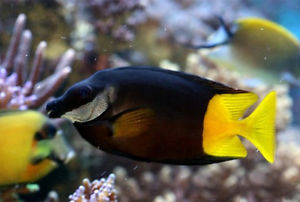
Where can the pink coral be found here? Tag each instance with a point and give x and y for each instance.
(20, 90)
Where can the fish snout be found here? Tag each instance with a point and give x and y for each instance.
(54, 109)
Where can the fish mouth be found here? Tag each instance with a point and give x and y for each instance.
(62, 152)
(61, 160)
(53, 114)
(53, 109)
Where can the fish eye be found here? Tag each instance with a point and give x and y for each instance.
(85, 92)
(50, 130)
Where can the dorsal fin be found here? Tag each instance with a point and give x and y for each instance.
(218, 88)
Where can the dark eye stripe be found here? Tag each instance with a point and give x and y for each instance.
(47, 132)
(50, 130)
(39, 136)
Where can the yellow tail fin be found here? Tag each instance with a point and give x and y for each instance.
(222, 124)
(260, 129)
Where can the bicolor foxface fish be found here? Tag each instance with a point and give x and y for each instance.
(152, 114)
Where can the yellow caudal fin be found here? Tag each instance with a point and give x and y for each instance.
(221, 125)
(260, 129)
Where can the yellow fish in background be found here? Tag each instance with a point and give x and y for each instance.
(28, 144)
(256, 47)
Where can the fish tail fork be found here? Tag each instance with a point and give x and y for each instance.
(260, 127)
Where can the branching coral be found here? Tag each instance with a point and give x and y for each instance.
(19, 89)
(110, 19)
(109, 14)
(102, 190)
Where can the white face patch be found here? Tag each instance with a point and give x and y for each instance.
(90, 110)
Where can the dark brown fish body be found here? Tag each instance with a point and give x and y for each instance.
(151, 115)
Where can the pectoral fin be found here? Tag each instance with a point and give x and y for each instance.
(133, 122)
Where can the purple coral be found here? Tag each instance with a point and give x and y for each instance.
(114, 18)
(102, 190)
(19, 90)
